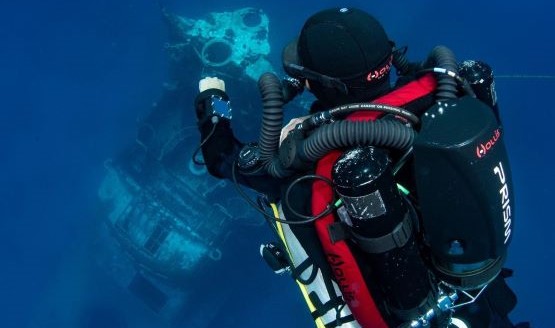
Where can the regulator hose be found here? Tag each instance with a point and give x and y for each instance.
(443, 57)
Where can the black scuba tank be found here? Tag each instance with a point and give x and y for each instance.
(465, 191)
(480, 77)
(381, 223)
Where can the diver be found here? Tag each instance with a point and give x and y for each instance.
(391, 203)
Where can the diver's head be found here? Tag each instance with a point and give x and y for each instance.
(343, 53)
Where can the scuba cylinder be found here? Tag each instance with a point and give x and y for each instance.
(381, 223)
(480, 77)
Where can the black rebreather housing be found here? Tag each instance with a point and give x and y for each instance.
(465, 191)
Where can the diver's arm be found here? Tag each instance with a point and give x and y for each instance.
(220, 148)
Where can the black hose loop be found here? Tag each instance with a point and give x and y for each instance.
(400, 61)
(443, 57)
(272, 116)
(341, 134)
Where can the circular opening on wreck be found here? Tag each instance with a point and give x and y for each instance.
(252, 18)
(215, 254)
(216, 53)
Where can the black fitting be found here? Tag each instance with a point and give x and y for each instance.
(291, 88)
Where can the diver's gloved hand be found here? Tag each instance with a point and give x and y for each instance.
(211, 83)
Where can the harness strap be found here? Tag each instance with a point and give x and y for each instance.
(395, 239)
(323, 308)
(336, 304)
(302, 267)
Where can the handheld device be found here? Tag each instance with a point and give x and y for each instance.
(220, 107)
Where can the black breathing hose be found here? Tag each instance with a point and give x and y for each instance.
(272, 121)
(382, 133)
(272, 116)
(443, 57)
(400, 61)
(340, 134)
(392, 134)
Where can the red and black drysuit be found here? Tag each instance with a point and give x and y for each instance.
(221, 150)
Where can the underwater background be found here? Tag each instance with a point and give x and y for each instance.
(78, 78)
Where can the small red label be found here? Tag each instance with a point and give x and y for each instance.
(483, 148)
(380, 72)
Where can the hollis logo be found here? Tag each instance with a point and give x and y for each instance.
(482, 149)
(380, 72)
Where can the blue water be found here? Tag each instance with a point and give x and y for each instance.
(76, 75)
